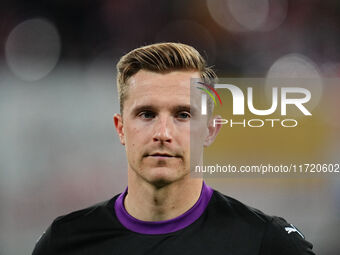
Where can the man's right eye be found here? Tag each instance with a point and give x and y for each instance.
(147, 115)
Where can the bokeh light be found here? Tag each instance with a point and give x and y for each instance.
(295, 70)
(248, 15)
(32, 49)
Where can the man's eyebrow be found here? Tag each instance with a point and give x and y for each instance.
(179, 108)
(188, 108)
(141, 108)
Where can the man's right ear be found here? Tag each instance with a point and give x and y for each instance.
(118, 122)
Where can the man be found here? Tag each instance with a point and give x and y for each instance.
(164, 210)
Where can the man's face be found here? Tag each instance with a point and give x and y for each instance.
(155, 128)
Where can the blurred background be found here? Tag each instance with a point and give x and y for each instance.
(58, 148)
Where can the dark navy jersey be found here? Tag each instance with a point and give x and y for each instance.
(216, 225)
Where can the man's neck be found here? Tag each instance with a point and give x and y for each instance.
(147, 202)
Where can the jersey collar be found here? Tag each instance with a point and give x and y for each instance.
(166, 226)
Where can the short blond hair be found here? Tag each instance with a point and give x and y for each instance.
(161, 58)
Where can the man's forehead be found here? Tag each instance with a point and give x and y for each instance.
(154, 101)
(170, 102)
(173, 89)
(158, 102)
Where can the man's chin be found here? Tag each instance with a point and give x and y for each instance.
(162, 177)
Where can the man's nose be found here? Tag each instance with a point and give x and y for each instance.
(163, 129)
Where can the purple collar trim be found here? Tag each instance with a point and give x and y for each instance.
(166, 226)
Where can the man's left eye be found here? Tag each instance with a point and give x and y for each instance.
(183, 115)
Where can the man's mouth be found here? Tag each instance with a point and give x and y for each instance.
(162, 155)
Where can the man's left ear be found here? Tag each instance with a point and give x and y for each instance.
(213, 129)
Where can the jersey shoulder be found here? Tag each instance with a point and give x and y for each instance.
(231, 207)
(66, 227)
(277, 236)
(282, 237)
(84, 218)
